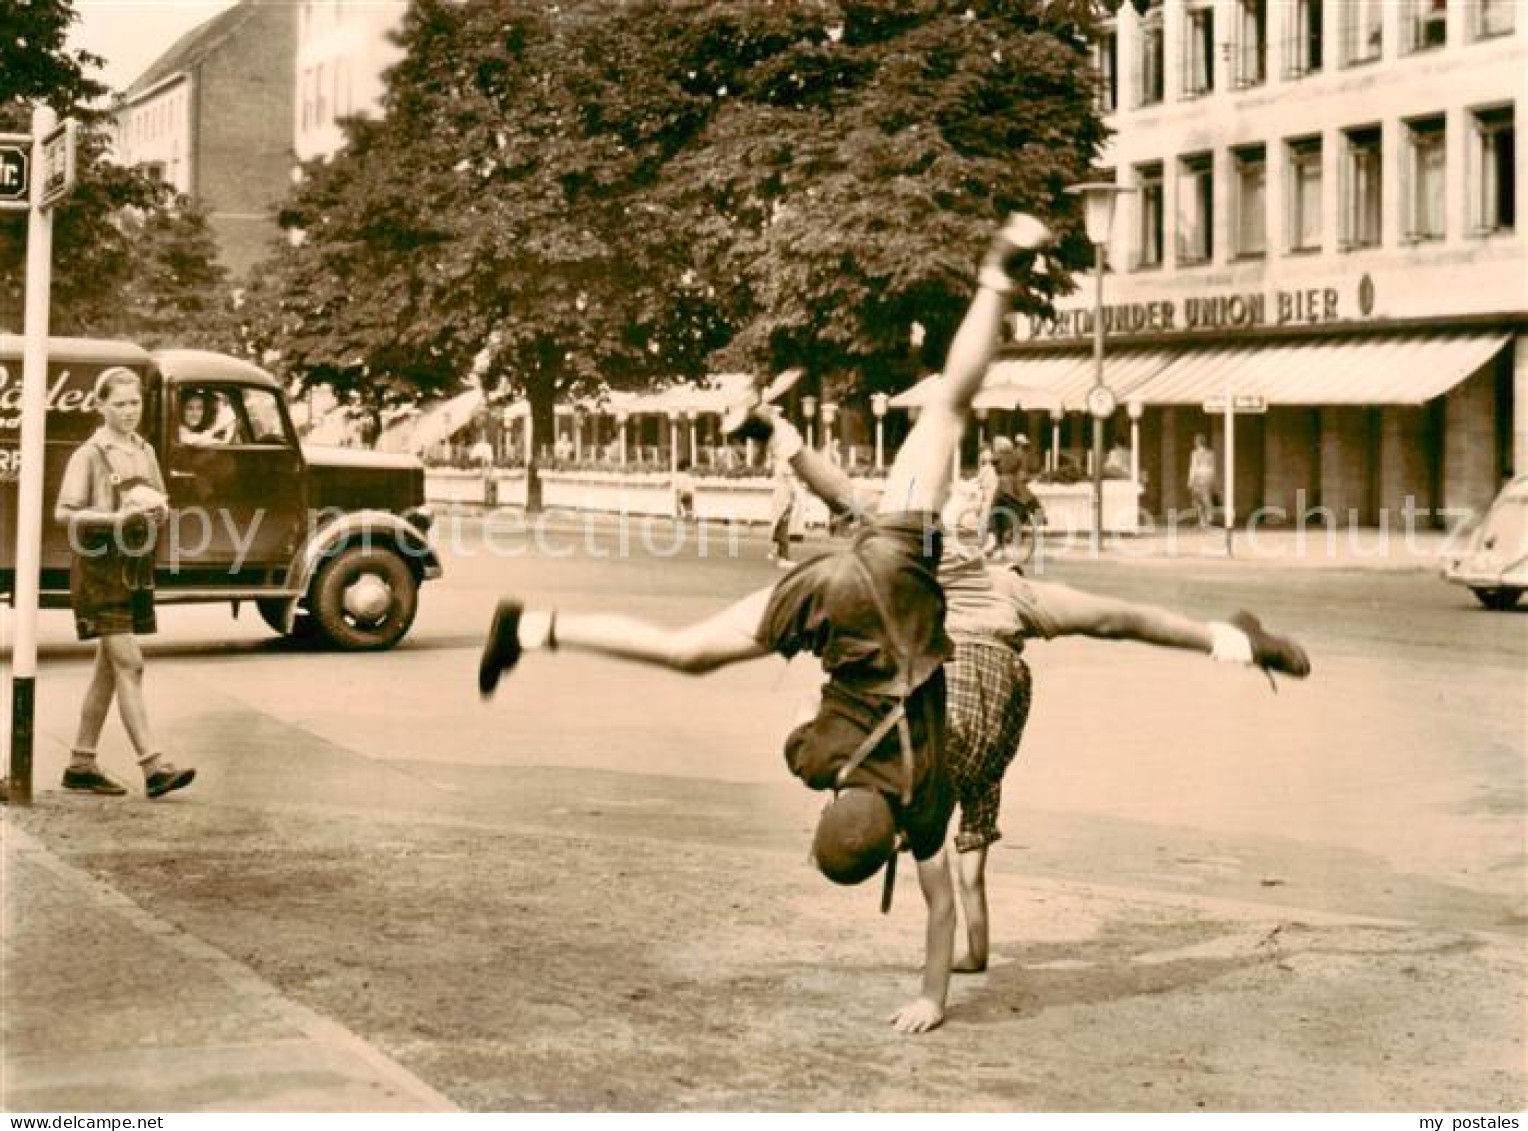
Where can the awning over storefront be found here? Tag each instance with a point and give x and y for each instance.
(1005, 394)
(1359, 369)
(431, 424)
(719, 391)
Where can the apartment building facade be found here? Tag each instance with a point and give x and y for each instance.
(212, 116)
(1324, 220)
(344, 47)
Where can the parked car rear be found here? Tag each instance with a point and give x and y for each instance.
(1492, 560)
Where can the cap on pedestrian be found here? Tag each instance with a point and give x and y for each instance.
(855, 836)
(1002, 444)
(1022, 441)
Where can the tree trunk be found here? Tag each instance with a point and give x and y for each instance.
(542, 396)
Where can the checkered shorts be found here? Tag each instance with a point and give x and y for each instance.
(989, 691)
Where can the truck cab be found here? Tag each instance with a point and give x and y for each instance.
(329, 544)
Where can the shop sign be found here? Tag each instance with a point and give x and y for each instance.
(1301, 306)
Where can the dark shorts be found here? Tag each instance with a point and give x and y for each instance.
(829, 607)
(817, 749)
(989, 696)
(111, 595)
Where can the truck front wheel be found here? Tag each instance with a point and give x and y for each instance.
(364, 599)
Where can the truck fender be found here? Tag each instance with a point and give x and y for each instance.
(378, 528)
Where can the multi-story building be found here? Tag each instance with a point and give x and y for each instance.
(212, 116)
(343, 49)
(1324, 220)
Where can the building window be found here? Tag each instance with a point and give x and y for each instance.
(1494, 17)
(1107, 58)
(1362, 188)
(1149, 64)
(1251, 42)
(1148, 182)
(341, 87)
(1303, 49)
(1305, 194)
(1362, 31)
(1424, 24)
(1199, 53)
(320, 99)
(1424, 172)
(1251, 201)
(1494, 178)
(1196, 208)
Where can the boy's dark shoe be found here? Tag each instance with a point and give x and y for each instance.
(746, 418)
(92, 781)
(502, 649)
(166, 779)
(1272, 653)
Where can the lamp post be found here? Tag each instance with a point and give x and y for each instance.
(878, 403)
(1134, 408)
(1098, 199)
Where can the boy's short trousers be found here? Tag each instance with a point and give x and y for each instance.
(111, 595)
(989, 691)
(817, 749)
(827, 607)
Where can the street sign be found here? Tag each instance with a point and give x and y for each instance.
(1241, 402)
(13, 175)
(58, 163)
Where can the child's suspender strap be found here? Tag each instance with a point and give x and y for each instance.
(897, 716)
(112, 478)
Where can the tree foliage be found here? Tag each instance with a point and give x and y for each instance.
(581, 193)
(129, 257)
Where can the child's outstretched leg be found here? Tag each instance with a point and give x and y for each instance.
(725, 638)
(919, 479)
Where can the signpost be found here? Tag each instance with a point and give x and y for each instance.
(1229, 404)
(13, 171)
(51, 165)
(1241, 403)
(57, 167)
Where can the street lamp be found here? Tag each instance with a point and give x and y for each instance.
(1098, 199)
(878, 403)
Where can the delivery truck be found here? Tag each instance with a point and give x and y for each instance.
(328, 544)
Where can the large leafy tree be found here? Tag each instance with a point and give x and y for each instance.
(492, 224)
(567, 194)
(129, 257)
(856, 156)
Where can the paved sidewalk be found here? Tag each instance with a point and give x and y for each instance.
(1314, 548)
(1359, 548)
(108, 1009)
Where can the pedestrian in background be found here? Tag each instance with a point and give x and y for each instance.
(113, 501)
(684, 492)
(782, 512)
(1003, 513)
(1201, 480)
